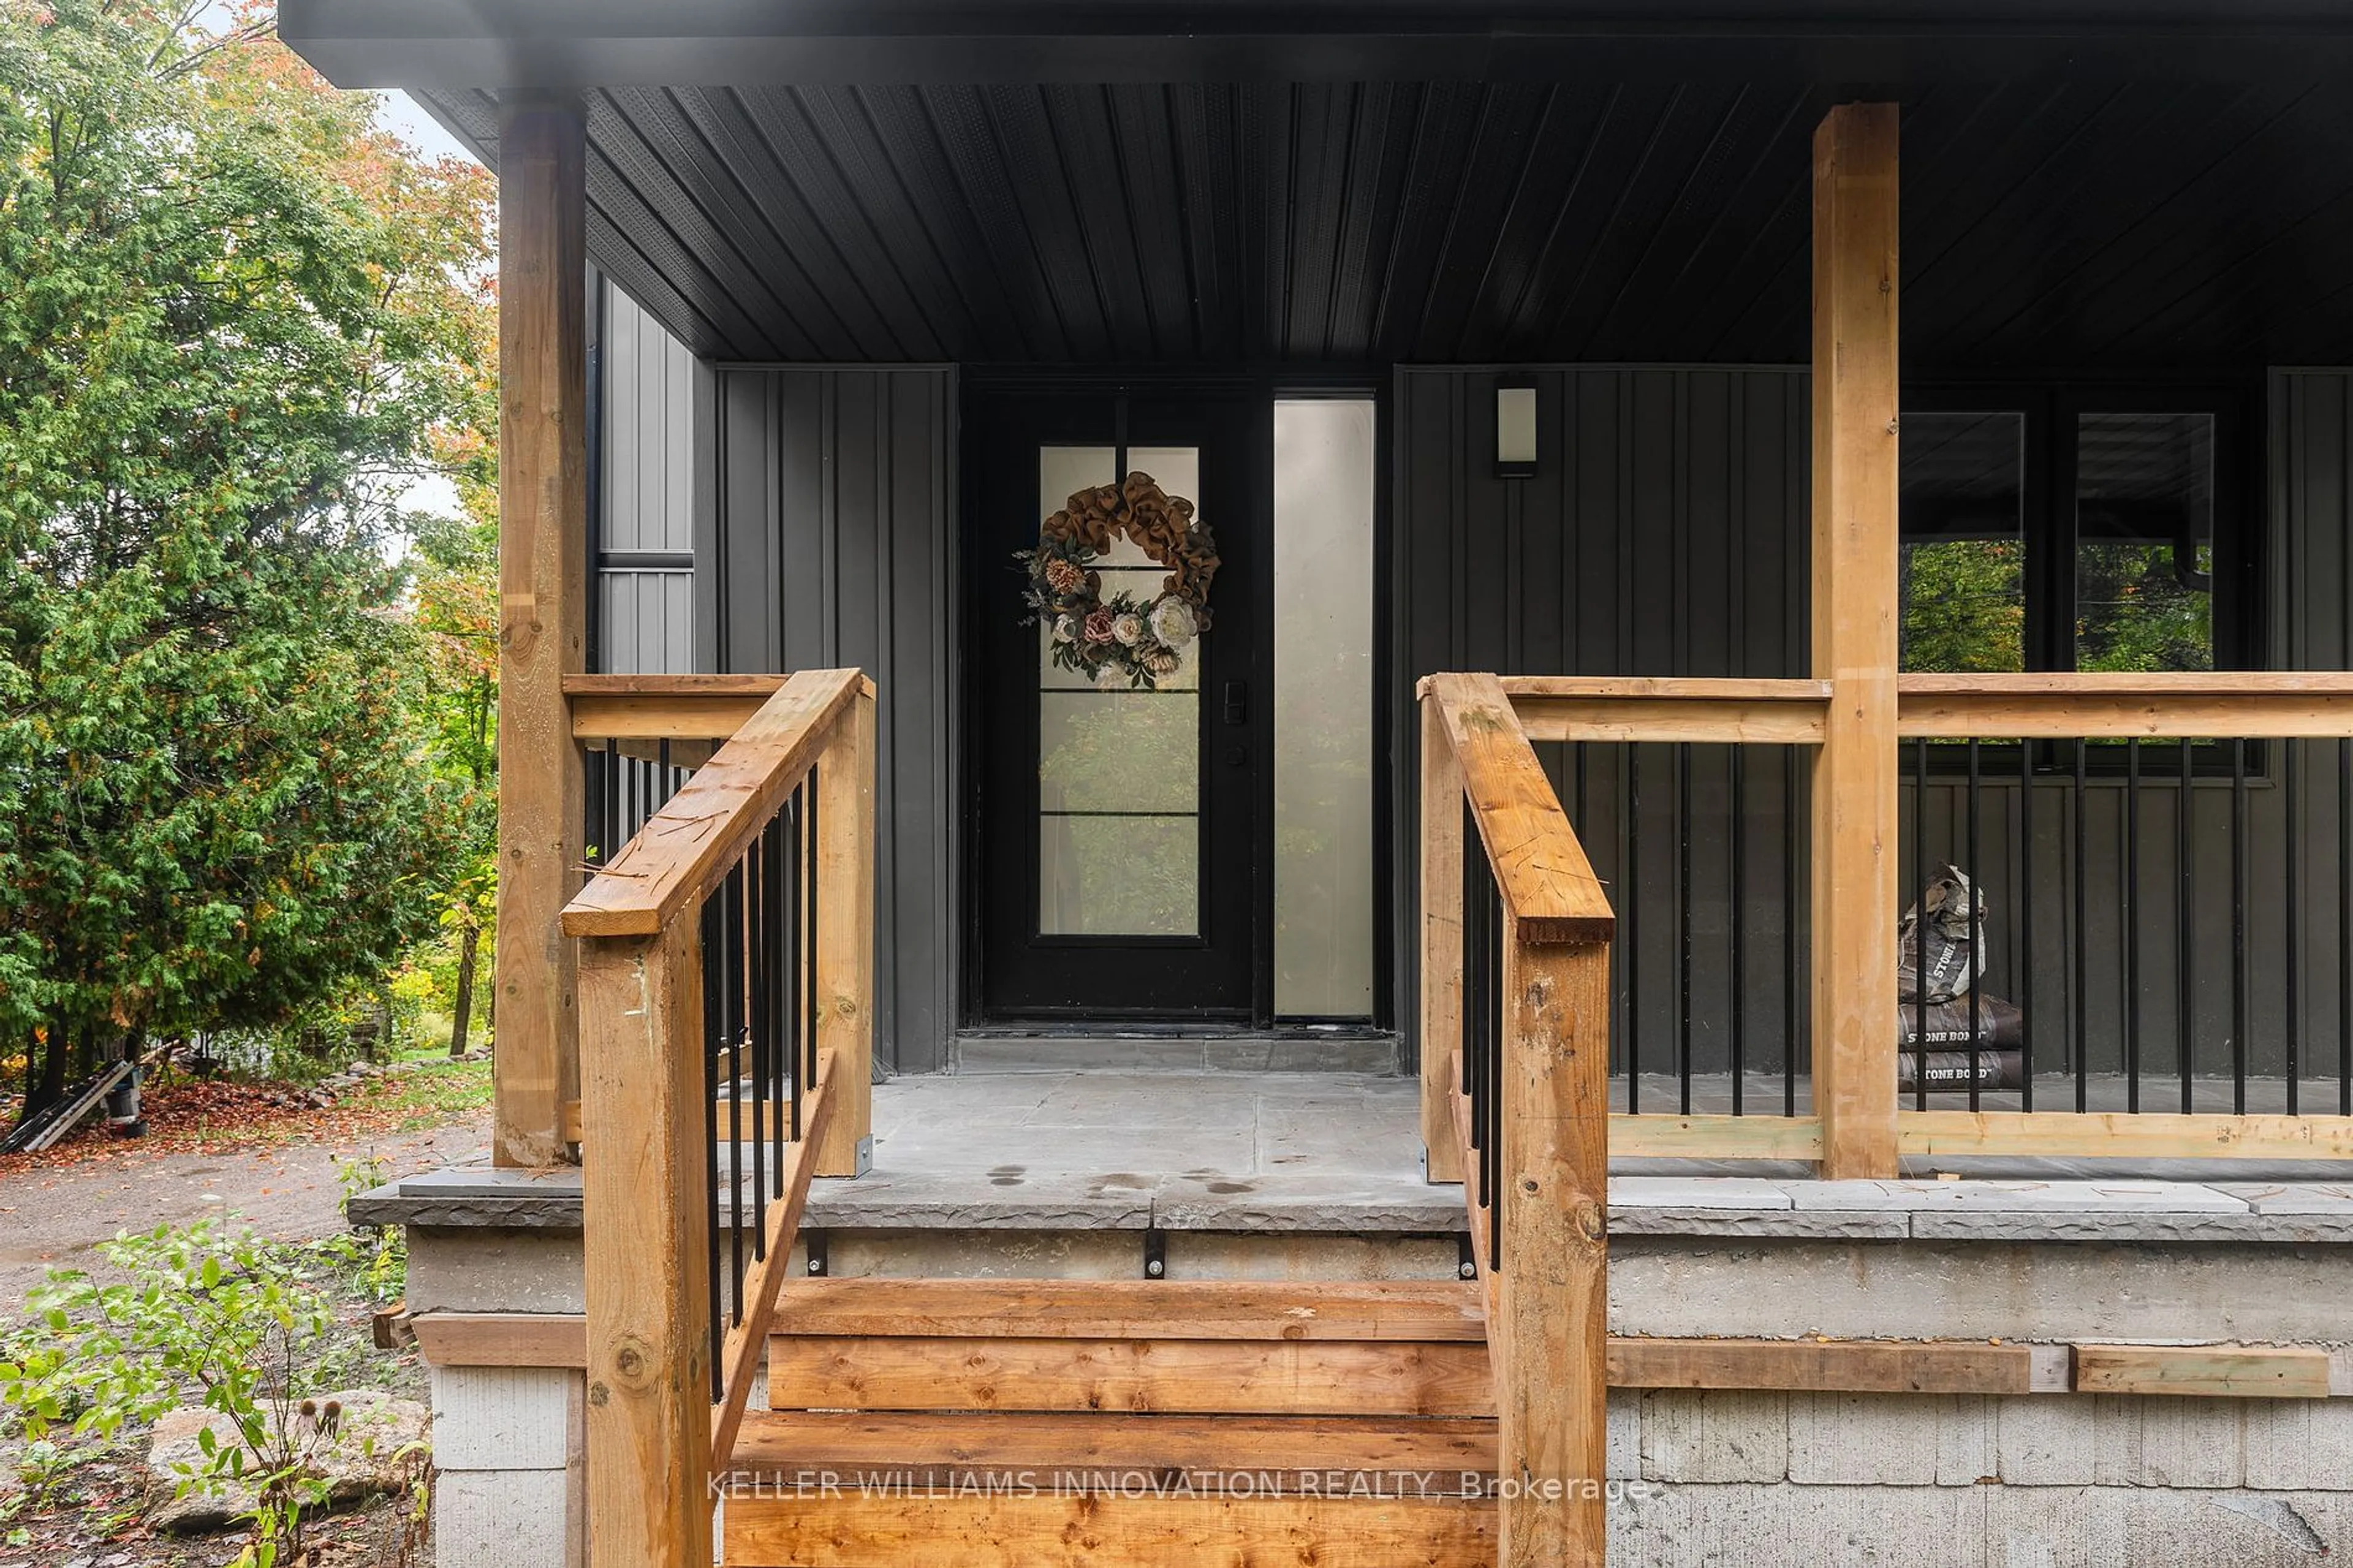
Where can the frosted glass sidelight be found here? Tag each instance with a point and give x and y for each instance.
(1323, 490)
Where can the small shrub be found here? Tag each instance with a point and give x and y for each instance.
(380, 1252)
(222, 1313)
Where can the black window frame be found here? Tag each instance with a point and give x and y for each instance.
(2047, 508)
(2050, 410)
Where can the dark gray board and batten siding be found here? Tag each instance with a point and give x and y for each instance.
(647, 466)
(1663, 533)
(831, 542)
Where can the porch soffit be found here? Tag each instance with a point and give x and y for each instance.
(2172, 199)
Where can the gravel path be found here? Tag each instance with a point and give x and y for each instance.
(288, 1191)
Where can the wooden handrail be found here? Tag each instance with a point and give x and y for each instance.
(1548, 886)
(1756, 713)
(685, 850)
(801, 763)
(2188, 705)
(2036, 705)
(2040, 705)
(1545, 1096)
(675, 708)
(2153, 683)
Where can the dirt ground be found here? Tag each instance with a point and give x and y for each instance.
(289, 1190)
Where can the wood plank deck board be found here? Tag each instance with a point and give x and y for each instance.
(1049, 1531)
(1179, 1376)
(935, 1444)
(1443, 1309)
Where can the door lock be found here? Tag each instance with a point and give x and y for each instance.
(1237, 702)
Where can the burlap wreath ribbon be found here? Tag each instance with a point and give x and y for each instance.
(1161, 525)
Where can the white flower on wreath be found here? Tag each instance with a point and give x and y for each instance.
(1065, 629)
(1172, 621)
(1110, 678)
(1128, 629)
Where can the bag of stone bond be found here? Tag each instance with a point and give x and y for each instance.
(1941, 941)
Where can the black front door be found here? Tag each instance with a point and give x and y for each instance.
(1118, 828)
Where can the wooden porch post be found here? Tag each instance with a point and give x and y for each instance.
(543, 620)
(845, 935)
(1854, 636)
(644, 1190)
(1442, 945)
(1550, 1335)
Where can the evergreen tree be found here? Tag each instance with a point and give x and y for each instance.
(234, 320)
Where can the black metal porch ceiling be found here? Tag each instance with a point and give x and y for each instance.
(2130, 225)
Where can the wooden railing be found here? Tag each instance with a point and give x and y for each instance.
(2207, 721)
(1853, 1073)
(725, 961)
(1515, 998)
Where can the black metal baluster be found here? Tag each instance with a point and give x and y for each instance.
(2185, 929)
(1473, 976)
(2239, 927)
(2131, 922)
(1630, 923)
(796, 1027)
(1973, 970)
(2345, 927)
(756, 953)
(1788, 931)
(2082, 1045)
(1739, 923)
(731, 1006)
(2024, 968)
(608, 816)
(2291, 763)
(711, 984)
(811, 1002)
(779, 983)
(1475, 981)
(1493, 1149)
(1919, 946)
(1684, 926)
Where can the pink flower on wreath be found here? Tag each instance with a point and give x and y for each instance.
(1064, 577)
(1098, 625)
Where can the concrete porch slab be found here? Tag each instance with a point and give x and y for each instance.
(1338, 1154)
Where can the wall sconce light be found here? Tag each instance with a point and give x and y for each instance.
(1516, 426)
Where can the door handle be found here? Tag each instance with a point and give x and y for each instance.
(1237, 702)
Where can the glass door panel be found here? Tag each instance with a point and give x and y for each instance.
(1119, 843)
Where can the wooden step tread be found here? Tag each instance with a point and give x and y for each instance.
(1208, 1377)
(1443, 1310)
(1049, 1530)
(935, 1450)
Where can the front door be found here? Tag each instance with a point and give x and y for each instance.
(1118, 826)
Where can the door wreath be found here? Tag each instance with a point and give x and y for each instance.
(1123, 642)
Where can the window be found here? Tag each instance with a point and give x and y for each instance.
(1119, 830)
(1324, 903)
(1963, 556)
(2072, 527)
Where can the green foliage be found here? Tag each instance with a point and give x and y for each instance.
(380, 1253)
(2134, 613)
(236, 322)
(1964, 605)
(240, 1320)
